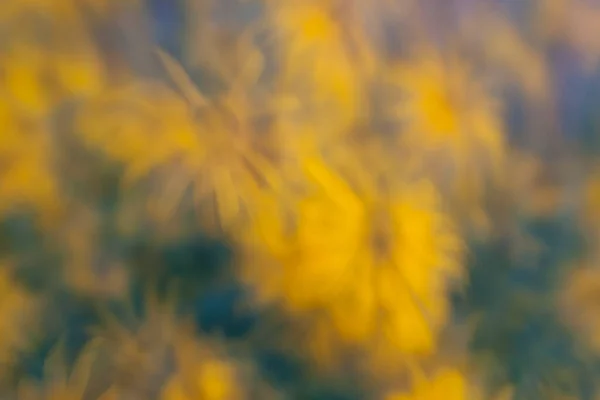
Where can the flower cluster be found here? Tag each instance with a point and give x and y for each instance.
(227, 199)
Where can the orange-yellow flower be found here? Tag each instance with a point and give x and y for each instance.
(450, 128)
(26, 165)
(201, 374)
(206, 153)
(446, 384)
(369, 267)
(317, 68)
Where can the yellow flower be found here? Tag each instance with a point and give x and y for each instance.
(579, 304)
(446, 107)
(23, 80)
(326, 227)
(79, 73)
(138, 348)
(26, 175)
(144, 126)
(317, 69)
(368, 267)
(208, 152)
(162, 352)
(446, 384)
(39, 75)
(18, 313)
(450, 128)
(310, 23)
(202, 372)
(58, 383)
(211, 379)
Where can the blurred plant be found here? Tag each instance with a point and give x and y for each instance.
(448, 384)
(580, 295)
(208, 147)
(343, 152)
(202, 375)
(449, 124)
(20, 318)
(27, 176)
(318, 70)
(60, 382)
(48, 56)
(371, 268)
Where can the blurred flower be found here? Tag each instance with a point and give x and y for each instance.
(160, 354)
(365, 268)
(63, 383)
(317, 68)
(579, 304)
(206, 147)
(26, 165)
(137, 349)
(43, 69)
(446, 384)
(340, 152)
(450, 126)
(18, 319)
(204, 375)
